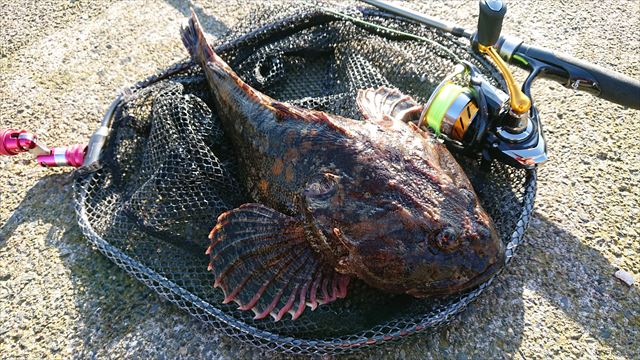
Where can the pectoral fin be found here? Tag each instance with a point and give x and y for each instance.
(384, 105)
(263, 262)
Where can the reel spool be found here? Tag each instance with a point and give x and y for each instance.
(464, 107)
(451, 109)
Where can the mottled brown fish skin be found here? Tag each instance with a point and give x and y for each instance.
(383, 202)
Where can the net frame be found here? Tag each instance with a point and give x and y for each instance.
(241, 45)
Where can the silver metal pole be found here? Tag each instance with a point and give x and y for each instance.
(100, 136)
(420, 17)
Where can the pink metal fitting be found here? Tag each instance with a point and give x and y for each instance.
(13, 142)
(64, 156)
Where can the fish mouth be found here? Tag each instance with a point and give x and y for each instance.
(484, 276)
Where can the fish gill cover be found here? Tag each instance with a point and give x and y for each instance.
(167, 170)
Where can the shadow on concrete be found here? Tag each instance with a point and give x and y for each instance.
(109, 301)
(569, 275)
(39, 197)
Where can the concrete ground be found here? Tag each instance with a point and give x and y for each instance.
(62, 62)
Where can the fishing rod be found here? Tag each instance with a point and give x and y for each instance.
(466, 110)
(567, 70)
(421, 18)
(474, 116)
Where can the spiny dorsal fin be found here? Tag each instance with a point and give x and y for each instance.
(385, 105)
(284, 110)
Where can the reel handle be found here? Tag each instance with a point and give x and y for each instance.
(490, 21)
(489, 27)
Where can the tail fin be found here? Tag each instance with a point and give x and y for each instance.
(194, 40)
(216, 69)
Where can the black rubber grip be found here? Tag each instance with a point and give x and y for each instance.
(613, 86)
(490, 21)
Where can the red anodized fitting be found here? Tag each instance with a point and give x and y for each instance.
(64, 156)
(13, 142)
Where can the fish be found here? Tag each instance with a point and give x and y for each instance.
(379, 200)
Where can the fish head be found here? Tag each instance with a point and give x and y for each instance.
(404, 232)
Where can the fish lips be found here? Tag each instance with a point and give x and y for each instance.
(447, 289)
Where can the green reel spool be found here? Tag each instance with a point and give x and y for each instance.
(451, 108)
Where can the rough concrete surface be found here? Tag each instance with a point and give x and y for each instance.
(61, 63)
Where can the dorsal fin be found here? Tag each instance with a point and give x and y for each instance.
(284, 110)
(384, 105)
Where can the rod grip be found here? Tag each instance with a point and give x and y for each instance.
(609, 85)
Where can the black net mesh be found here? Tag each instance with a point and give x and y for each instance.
(167, 170)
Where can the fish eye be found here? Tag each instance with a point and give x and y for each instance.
(321, 186)
(448, 239)
(484, 233)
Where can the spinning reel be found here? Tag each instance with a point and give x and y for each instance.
(473, 116)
